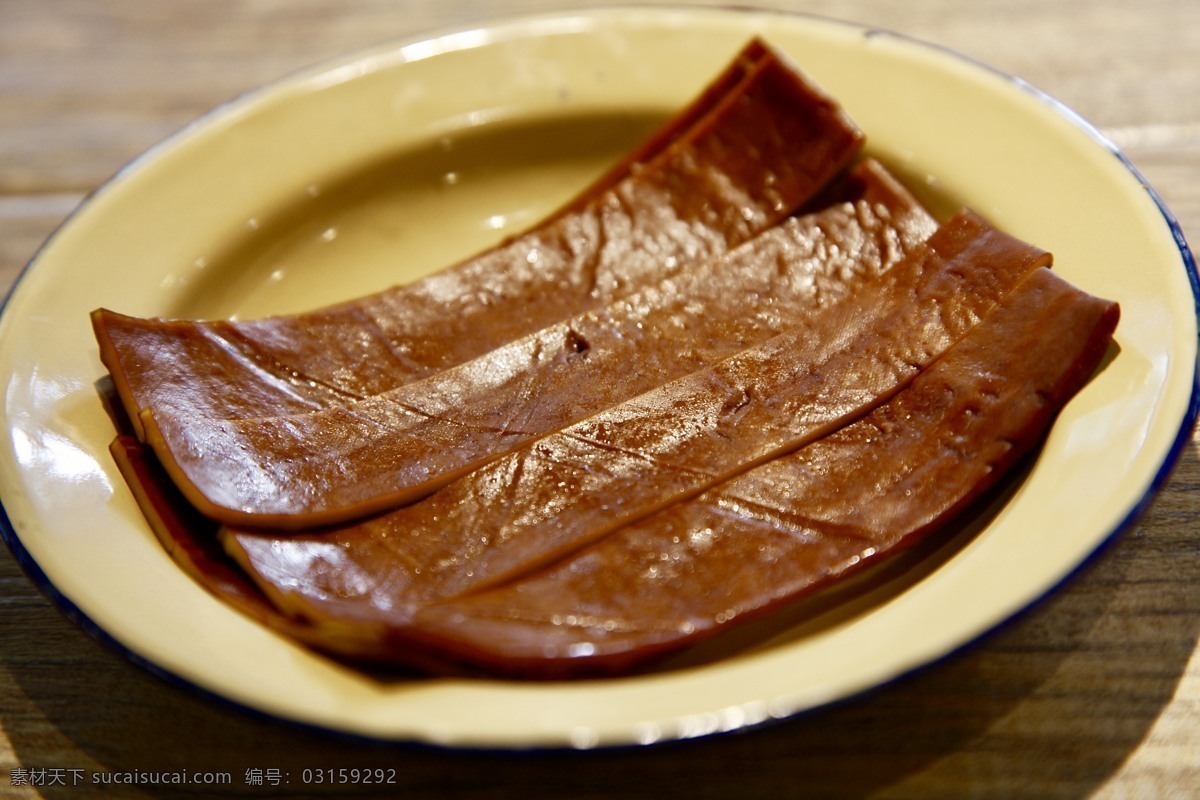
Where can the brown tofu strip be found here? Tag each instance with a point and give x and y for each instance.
(746, 547)
(307, 470)
(186, 535)
(799, 523)
(559, 494)
(189, 538)
(753, 55)
(759, 152)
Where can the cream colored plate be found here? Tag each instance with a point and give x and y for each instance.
(341, 180)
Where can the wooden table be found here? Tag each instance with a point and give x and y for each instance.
(1094, 692)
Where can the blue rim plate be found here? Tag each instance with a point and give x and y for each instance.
(243, 213)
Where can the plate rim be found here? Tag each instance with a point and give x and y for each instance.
(73, 612)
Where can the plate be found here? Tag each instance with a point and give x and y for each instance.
(343, 179)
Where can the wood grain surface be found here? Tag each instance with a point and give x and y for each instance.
(1095, 692)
